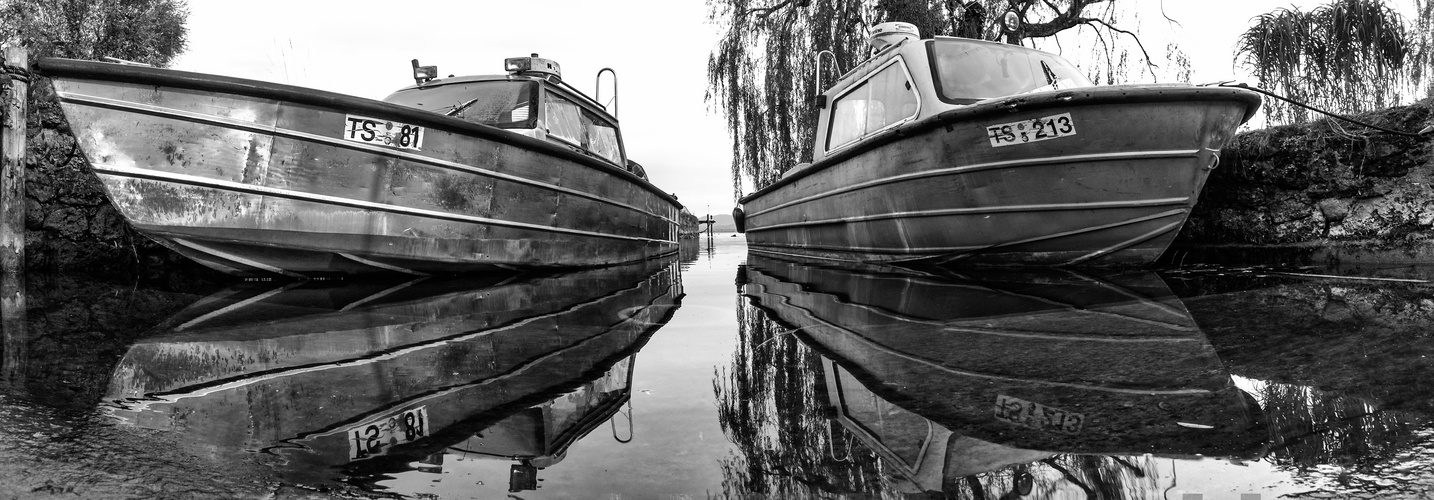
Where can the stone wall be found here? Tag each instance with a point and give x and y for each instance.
(1341, 190)
(70, 226)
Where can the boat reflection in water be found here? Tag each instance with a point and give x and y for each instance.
(355, 381)
(1010, 383)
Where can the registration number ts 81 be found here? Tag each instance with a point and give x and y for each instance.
(377, 436)
(1028, 131)
(385, 132)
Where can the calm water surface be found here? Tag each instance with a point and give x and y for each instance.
(729, 375)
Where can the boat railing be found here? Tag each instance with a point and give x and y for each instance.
(835, 65)
(597, 89)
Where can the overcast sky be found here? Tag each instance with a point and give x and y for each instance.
(659, 49)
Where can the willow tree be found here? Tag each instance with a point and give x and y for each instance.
(1347, 56)
(147, 31)
(762, 73)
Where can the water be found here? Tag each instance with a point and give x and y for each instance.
(724, 374)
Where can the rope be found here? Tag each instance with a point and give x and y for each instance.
(1417, 135)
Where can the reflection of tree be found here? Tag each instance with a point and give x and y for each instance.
(1095, 476)
(1345, 445)
(771, 406)
(1310, 428)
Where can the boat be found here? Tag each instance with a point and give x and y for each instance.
(953, 375)
(378, 375)
(450, 175)
(962, 151)
(538, 437)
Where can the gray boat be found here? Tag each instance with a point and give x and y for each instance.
(516, 170)
(952, 150)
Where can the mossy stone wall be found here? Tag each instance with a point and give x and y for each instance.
(1350, 192)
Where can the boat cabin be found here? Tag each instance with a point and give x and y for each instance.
(532, 100)
(908, 79)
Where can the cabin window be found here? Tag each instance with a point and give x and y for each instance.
(883, 100)
(581, 127)
(603, 140)
(968, 71)
(564, 119)
(505, 104)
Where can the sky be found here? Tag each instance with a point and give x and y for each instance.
(658, 48)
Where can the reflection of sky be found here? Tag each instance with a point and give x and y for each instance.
(677, 441)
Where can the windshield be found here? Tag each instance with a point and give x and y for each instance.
(506, 104)
(968, 71)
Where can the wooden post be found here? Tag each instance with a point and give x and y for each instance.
(14, 89)
(13, 330)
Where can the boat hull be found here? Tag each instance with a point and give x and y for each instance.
(1116, 192)
(253, 178)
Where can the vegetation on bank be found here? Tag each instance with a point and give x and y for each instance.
(1347, 56)
(146, 31)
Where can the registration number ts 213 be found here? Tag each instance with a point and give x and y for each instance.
(376, 436)
(1028, 131)
(383, 132)
(1037, 416)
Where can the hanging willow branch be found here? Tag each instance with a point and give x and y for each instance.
(1347, 56)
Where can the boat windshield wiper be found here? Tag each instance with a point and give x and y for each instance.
(464, 105)
(1050, 76)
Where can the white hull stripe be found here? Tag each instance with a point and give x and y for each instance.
(380, 265)
(924, 252)
(233, 258)
(1132, 155)
(295, 134)
(344, 202)
(1127, 244)
(1053, 207)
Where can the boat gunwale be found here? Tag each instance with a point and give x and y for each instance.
(1087, 96)
(51, 67)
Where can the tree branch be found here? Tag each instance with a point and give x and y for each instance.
(765, 11)
(1148, 61)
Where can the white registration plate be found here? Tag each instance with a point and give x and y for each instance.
(1028, 131)
(1037, 416)
(376, 436)
(384, 132)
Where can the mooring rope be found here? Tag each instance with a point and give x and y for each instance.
(1416, 135)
